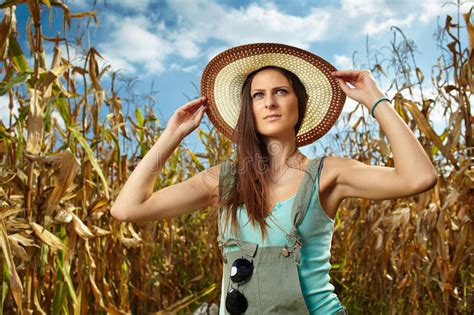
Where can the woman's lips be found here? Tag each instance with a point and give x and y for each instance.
(273, 117)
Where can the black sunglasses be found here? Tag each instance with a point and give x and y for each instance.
(241, 271)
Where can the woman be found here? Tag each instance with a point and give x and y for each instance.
(270, 99)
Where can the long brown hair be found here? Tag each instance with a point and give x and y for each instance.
(253, 157)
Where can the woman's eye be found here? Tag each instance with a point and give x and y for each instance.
(279, 90)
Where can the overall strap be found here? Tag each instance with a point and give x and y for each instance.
(226, 183)
(301, 203)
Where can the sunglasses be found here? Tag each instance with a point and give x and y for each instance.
(241, 271)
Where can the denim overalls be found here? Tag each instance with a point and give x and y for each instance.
(274, 287)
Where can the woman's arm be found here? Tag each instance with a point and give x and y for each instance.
(413, 172)
(137, 202)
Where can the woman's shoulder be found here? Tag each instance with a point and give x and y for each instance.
(330, 169)
(335, 164)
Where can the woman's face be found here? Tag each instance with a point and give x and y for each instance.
(271, 93)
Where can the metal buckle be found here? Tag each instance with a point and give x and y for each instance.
(285, 251)
(300, 244)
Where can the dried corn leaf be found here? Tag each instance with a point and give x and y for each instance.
(50, 77)
(99, 231)
(80, 227)
(19, 250)
(63, 217)
(91, 158)
(134, 233)
(10, 211)
(15, 282)
(23, 240)
(92, 269)
(426, 128)
(47, 237)
(400, 218)
(66, 166)
(470, 29)
(35, 122)
(98, 204)
(86, 14)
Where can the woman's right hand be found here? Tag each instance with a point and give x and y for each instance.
(188, 117)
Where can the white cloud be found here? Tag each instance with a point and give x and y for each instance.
(139, 41)
(135, 41)
(214, 51)
(254, 23)
(343, 62)
(5, 110)
(377, 25)
(175, 66)
(425, 10)
(134, 5)
(433, 8)
(116, 63)
(358, 8)
(130, 5)
(80, 4)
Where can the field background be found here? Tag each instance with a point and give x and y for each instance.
(69, 145)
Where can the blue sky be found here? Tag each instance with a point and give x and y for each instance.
(170, 42)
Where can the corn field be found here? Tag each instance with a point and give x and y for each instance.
(63, 162)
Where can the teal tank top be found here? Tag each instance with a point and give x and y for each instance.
(316, 230)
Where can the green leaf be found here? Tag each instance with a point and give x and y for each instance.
(139, 115)
(112, 136)
(5, 281)
(16, 55)
(202, 133)
(59, 296)
(43, 258)
(20, 78)
(47, 116)
(22, 115)
(65, 271)
(195, 159)
(63, 109)
(336, 266)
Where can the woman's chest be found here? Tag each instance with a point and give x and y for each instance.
(286, 188)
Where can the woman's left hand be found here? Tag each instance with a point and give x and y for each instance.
(365, 89)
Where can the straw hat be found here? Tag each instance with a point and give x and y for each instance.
(224, 76)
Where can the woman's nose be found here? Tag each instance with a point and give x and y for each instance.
(269, 102)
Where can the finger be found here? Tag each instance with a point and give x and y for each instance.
(345, 88)
(194, 103)
(199, 114)
(347, 79)
(194, 109)
(346, 74)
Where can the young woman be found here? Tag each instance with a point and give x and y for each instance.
(270, 99)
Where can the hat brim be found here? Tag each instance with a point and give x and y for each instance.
(225, 74)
